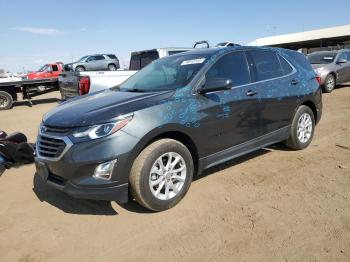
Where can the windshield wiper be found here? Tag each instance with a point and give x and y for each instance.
(136, 90)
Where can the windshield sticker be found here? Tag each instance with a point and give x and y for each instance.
(193, 61)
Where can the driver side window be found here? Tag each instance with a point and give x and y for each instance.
(342, 56)
(232, 66)
(90, 59)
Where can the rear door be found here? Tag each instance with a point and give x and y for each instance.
(277, 89)
(55, 71)
(100, 62)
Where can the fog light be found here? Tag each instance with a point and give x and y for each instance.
(104, 170)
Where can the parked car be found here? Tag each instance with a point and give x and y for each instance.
(227, 44)
(46, 71)
(80, 83)
(333, 67)
(175, 118)
(94, 63)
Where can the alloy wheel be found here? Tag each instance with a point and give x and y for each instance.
(304, 128)
(167, 176)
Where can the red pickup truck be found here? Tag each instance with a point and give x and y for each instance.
(46, 71)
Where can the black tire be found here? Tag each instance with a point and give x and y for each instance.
(6, 100)
(140, 174)
(112, 67)
(80, 69)
(294, 142)
(329, 83)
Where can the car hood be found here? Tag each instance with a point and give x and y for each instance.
(101, 107)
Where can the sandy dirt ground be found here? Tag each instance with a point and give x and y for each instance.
(272, 205)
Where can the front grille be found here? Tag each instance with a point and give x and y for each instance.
(57, 130)
(50, 147)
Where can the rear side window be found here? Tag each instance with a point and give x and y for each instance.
(140, 60)
(232, 66)
(348, 56)
(112, 56)
(287, 69)
(301, 60)
(266, 65)
(54, 68)
(99, 57)
(342, 56)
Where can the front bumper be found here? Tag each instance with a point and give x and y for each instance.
(73, 171)
(118, 193)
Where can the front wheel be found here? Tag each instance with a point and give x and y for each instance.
(161, 175)
(302, 129)
(79, 69)
(329, 84)
(6, 100)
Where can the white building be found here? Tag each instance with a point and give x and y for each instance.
(327, 38)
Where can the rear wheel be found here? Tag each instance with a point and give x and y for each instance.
(302, 129)
(112, 67)
(6, 100)
(79, 69)
(329, 84)
(161, 174)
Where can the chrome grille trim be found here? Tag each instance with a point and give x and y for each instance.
(52, 148)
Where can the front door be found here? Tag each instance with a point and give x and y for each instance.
(342, 68)
(229, 117)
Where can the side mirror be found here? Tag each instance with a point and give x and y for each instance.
(216, 84)
(341, 61)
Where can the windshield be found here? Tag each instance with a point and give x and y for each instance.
(322, 58)
(165, 74)
(83, 59)
(43, 68)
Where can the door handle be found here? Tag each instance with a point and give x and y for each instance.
(294, 82)
(251, 93)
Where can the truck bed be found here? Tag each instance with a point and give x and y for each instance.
(99, 80)
(29, 82)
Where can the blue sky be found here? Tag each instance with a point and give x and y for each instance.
(36, 32)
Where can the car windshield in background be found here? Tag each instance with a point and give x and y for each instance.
(43, 68)
(83, 59)
(321, 58)
(165, 74)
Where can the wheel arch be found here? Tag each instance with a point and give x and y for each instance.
(177, 135)
(79, 66)
(312, 106)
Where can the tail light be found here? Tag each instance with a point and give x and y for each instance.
(318, 79)
(84, 85)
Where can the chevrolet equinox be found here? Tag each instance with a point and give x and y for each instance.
(175, 118)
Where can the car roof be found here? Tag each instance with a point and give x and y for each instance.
(214, 50)
(98, 54)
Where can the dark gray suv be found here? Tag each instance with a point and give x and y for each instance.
(333, 67)
(175, 118)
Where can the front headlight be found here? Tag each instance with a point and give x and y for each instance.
(98, 131)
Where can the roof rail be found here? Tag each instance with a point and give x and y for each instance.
(201, 43)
